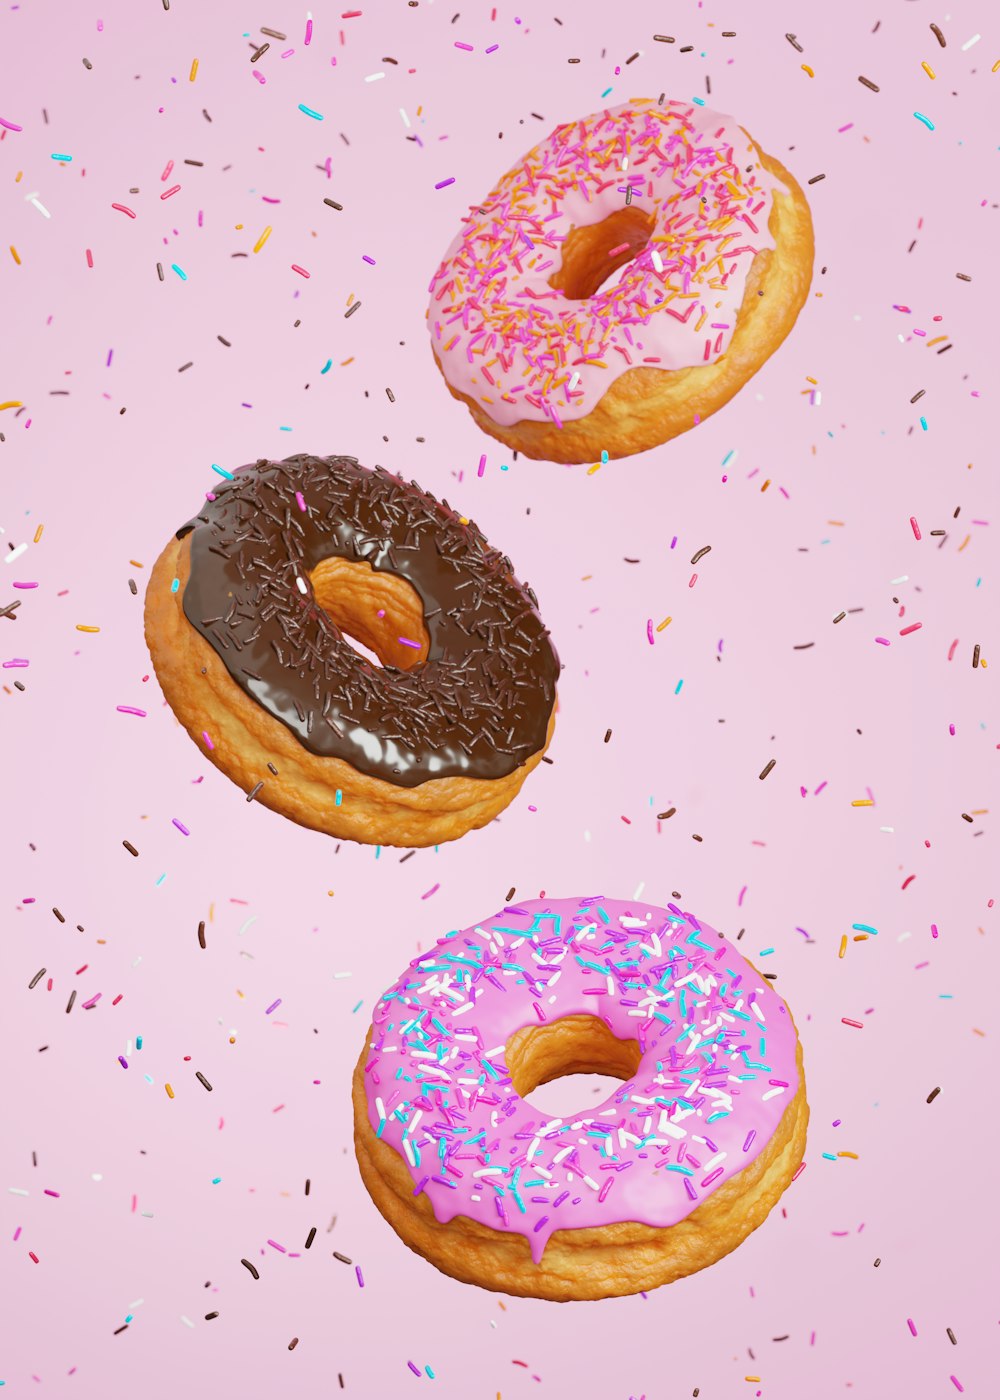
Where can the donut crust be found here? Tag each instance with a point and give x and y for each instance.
(578, 1265)
(205, 699)
(648, 406)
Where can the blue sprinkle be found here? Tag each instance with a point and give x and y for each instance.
(175, 585)
(926, 120)
(700, 101)
(865, 928)
(830, 1156)
(678, 690)
(339, 798)
(222, 472)
(316, 116)
(55, 157)
(180, 272)
(326, 367)
(605, 92)
(216, 1180)
(923, 424)
(357, 1008)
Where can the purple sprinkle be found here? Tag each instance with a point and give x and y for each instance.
(181, 827)
(405, 642)
(130, 710)
(433, 889)
(493, 48)
(543, 1221)
(361, 1277)
(909, 1323)
(420, 1185)
(367, 259)
(442, 183)
(687, 1187)
(274, 1005)
(749, 1139)
(414, 1369)
(123, 1062)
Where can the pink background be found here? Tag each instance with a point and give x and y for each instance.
(138, 1228)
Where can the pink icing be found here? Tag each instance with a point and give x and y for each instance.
(525, 351)
(717, 1070)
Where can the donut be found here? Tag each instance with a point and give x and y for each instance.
(249, 612)
(663, 1178)
(714, 240)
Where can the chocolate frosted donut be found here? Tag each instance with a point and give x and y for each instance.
(246, 615)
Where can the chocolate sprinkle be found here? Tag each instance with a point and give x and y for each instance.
(662, 816)
(939, 36)
(36, 979)
(342, 1257)
(202, 1080)
(130, 848)
(868, 83)
(201, 934)
(310, 1237)
(477, 706)
(933, 1094)
(767, 768)
(247, 1265)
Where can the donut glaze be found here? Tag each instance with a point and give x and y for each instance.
(505, 333)
(478, 702)
(717, 1066)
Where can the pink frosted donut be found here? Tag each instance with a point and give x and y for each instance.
(672, 1171)
(715, 240)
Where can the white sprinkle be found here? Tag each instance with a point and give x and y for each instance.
(639, 889)
(406, 120)
(374, 77)
(887, 828)
(187, 1321)
(301, 584)
(15, 553)
(770, 1094)
(657, 261)
(969, 42)
(338, 975)
(16, 1191)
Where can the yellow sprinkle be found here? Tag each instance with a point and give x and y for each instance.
(980, 811)
(854, 1155)
(38, 534)
(595, 468)
(928, 70)
(194, 70)
(995, 66)
(232, 1040)
(807, 69)
(14, 255)
(665, 623)
(238, 225)
(170, 1092)
(17, 177)
(964, 543)
(80, 627)
(843, 945)
(835, 522)
(862, 802)
(211, 912)
(240, 994)
(262, 239)
(330, 893)
(11, 403)
(936, 341)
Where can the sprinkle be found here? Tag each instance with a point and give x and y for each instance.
(130, 710)
(194, 70)
(130, 848)
(939, 36)
(858, 1025)
(179, 270)
(928, 69)
(933, 1094)
(442, 184)
(926, 120)
(767, 768)
(868, 84)
(316, 116)
(300, 270)
(170, 1092)
(915, 527)
(202, 1080)
(862, 802)
(262, 239)
(201, 934)
(250, 1268)
(124, 209)
(273, 1007)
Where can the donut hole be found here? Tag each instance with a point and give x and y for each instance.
(575, 1047)
(379, 614)
(593, 254)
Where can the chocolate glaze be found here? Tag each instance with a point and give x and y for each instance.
(477, 707)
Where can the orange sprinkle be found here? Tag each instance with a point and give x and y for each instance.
(170, 1092)
(810, 380)
(936, 341)
(807, 69)
(860, 937)
(853, 1155)
(262, 239)
(15, 255)
(194, 70)
(135, 564)
(38, 534)
(81, 627)
(766, 484)
(665, 623)
(964, 543)
(17, 177)
(843, 945)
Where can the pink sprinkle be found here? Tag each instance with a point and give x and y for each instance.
(913, 627)
(17, 1234)
(619, 248)
(181, 827)
(954, 1380)
(693, 580)
(309, 32)
(124, 209)
(24, 585)
(934, 930)
(279, 1247)
(405, 642)
(909, 1323)
(538, 1011)
(442, 183)
(432, 890)
(300, 500)
(274, 1005)
(858, 1025)
(951, 649)
(172, 190)
(11, 126)
(300, 270)
(15, 661)
(915, 527)
(208, 742)
(47, 1192)
(467, 47)
(649, 631)
(883, 641)
(130, 710)
(482, 465)
(34, 1256)
(167, 169)
(90, 258)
